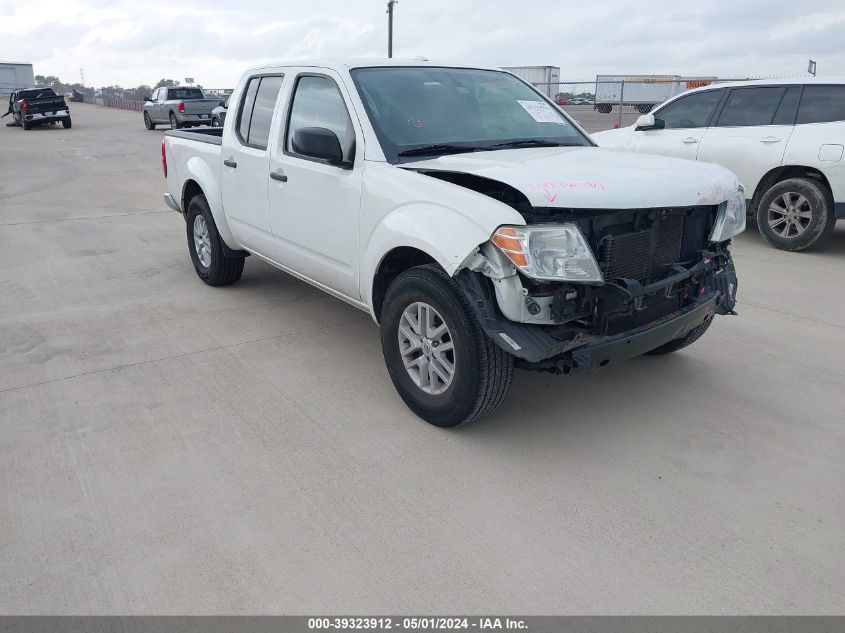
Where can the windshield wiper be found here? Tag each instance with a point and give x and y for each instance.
(532, 142)
(440, 148)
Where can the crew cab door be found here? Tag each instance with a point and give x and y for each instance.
(314, 205)
(686, 120)
(751, 132)
(245, 163)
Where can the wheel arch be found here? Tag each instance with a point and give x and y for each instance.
(393, 264)
(785, 172)
(199, 179)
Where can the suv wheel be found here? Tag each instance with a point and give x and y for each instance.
(148, 122)
(206, 247)
(440, 361)
(795, 214)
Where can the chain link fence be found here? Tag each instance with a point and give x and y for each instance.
(133, 98)
(602, 105)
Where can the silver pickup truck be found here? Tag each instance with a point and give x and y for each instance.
(180, 107)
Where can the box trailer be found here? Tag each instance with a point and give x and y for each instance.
(545, 78)
(14, 75)
(643, 92)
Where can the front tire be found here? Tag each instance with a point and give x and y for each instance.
(148, 122)
(685, 341)
(441, 362)
(206, 247)
(795, 214)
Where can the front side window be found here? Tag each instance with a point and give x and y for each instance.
(822, 104)
(692, 111)
(317, 102)
(750, 106)
(414, 109)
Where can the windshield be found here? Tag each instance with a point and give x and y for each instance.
(422, 111)
(184, 93)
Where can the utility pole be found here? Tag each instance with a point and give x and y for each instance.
(390, 4)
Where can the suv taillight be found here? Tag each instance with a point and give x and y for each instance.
(181, 107)
(163, 159)
(24, 106)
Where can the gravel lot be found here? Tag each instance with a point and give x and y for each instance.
(167, 447)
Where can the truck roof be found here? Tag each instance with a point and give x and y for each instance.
(349, 63)
(785, 81)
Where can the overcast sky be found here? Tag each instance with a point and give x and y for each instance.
(132, 42)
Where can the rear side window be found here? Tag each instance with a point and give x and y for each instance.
(788, 107)
(184, 93)
(692, 111)
(822, 104)
(262, 112)
(750, 106)
(256, 112)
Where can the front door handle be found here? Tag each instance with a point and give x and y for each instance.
(278, 175)
(230, 163)
(690, 140)
(770, 139)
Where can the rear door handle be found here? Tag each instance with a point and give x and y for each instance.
(278, 175)
(770, 139)
(690, 140)
(230, 163)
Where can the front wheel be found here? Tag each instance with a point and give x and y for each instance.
(206, 247)
(148, 122)
(685, 341)
(441, 362)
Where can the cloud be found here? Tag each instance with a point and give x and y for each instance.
(130, 43)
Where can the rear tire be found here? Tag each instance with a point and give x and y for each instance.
(148, 122)
(684, 341)
(174, 122)
(66, 123)
(211, 263)
(481, 372)
(795, 214)
(215, 122)
(26, 124)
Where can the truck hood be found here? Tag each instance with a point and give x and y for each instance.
(593, 177)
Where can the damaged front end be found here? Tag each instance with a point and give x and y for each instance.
(662, 278)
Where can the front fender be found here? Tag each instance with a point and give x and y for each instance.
(198, 170)
(449, 238)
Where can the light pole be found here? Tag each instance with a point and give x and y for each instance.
(390, 4)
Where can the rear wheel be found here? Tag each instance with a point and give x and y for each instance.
(215, 122)
(206, 247)
(148, 122)
(795, 214)
(174, 122)
(66, 123)
(441, 362)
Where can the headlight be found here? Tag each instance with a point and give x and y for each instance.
(554, 253)
(731, 218)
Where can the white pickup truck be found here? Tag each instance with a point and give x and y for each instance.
(478, 224)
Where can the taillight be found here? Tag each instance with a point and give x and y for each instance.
(181, 107)
(24, 106)
(163, 159)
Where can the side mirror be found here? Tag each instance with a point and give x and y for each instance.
(318, 142)
(148, 98)
(648, 122)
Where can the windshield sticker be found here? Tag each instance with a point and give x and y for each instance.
(541, 112)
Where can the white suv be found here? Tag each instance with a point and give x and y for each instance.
(783, 139)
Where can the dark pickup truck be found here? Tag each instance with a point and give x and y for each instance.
(36, 106)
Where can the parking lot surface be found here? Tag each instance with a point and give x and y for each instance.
(167, 447)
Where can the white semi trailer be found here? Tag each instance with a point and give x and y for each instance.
(545, 78)
(643, 92)
(14, 75)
